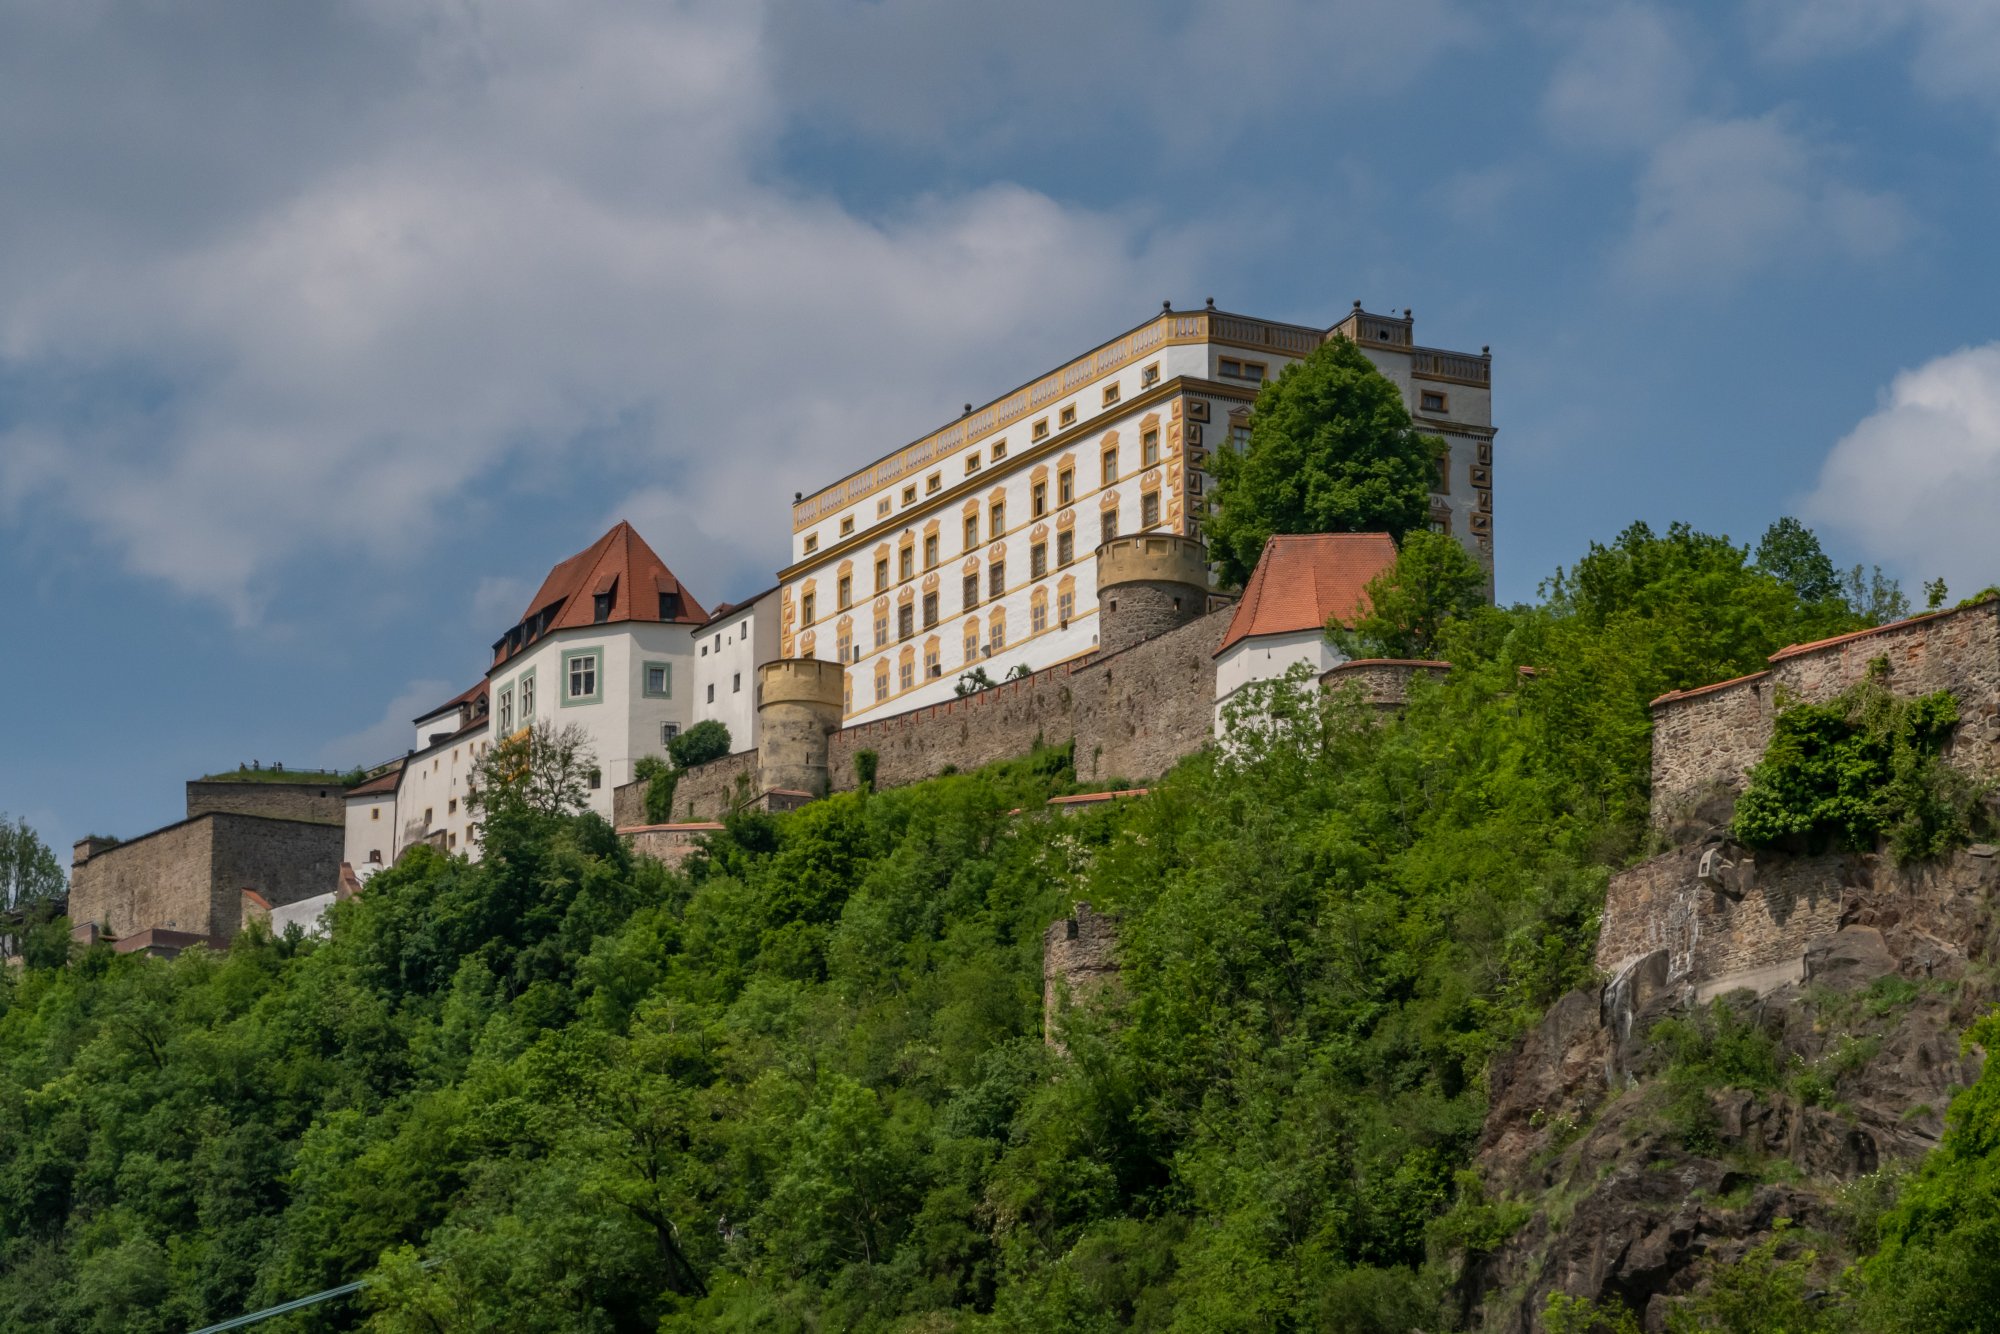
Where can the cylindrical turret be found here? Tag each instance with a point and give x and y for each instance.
(1147, 585)
(799, 702)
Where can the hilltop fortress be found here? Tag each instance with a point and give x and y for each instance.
(1047, 540)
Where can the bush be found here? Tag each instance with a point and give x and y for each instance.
(866, 763)
(661, 779)
(701, 743)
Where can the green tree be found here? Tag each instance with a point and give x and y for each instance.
(705, 741)
(29, 870)
(1331, 450)
(1434, 581)
(1791, 551)
(544, 770)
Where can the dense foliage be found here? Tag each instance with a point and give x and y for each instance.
(804, 1085)
(1859, 768)
(1331, 450)
(705, 741)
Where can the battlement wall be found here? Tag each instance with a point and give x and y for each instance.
(321, 803)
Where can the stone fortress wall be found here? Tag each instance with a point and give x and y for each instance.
(320, 803)
(1721, 919)
(191, 876)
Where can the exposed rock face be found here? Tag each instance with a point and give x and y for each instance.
(1627, 1205)
(1079, 959)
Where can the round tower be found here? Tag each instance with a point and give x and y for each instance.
(1147, 585)
(799, 702)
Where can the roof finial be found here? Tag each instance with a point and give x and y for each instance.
(1406, 312)
(797, 496)
(1211, 303)
(968, 409)
(1486, 351)
(1357, 303)
(1167, 306)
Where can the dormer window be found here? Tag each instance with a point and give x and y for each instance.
(670, 606)
(602, 611)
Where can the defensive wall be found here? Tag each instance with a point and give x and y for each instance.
(1722, 917)
(320, 803)
(192, 876)
(1383, 682)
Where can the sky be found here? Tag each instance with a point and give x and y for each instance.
(325, 329)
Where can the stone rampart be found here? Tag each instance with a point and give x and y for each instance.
(1079, 960)
(320, 803)
(669, 843)
(628, 803)
(191, 876)
(1704, 740)
(709, 791)
(1383, 682)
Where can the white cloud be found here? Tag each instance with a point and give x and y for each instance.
(1955, 43)
(1720, 199)
(1622, 82)
(1913, 482)
(499, 601)
(498, 237)
(391, 734)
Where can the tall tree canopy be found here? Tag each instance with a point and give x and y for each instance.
(1331, 451)
(29, 871)
(1434, 581)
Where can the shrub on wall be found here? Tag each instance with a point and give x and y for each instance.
(1862, 767)
(866, 763)
(699, 744)
(661, 779)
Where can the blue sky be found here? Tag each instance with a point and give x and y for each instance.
(325, 330)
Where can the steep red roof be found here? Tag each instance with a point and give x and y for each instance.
(1301, 582)
(619, 565)
(380, 786)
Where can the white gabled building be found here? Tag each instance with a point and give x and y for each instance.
(971, 547)
(1300, 583)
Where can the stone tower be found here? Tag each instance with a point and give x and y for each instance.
(1147, 585)
(799, 703)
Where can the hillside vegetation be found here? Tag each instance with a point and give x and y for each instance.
(804, 1086)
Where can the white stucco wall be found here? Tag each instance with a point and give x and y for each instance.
(728, 652)
(435, 782)
(371, 827)
(1267, 657)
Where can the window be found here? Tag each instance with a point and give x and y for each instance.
(1107, 526)
(930, 551)
(999, 450)
(507, 710)
(906, 674)
(1149, 509)
(711, 692)
(1110, 394)
(996, 579)
(932, 667)
(1110, 474)
(881, 573)
(1041, 431)
(881, 627)
(1038, 560)
(972, 641)
(906, 620)
(882, 507)
(1040, 499)
(843, 645)
(1069, 415)
(427, 817)
(972, 530)
(996, 639)
(930, 610)
(933, 483)
(601, 611)
(1431, 401)
(1444, 473)
(670, 606)
(881, 681)
(1065, 605)
(736, 683)
(659, 680)
(668, 731)
(847, 525)
(1065, 486)
(846, 693)
(1239, 431)
(1038, 614)
(451, 806)
(844, 591)
(971, 591)
(997, 520)
(1149, 376)
(375, 813)
(527, 698)
(1149, 448)
(1065, 547)
(812, 543)
(807, 608)
(1194, 483)
(910, 494)
(451, 840)
(971, 464)
(580, 672)
(906, 562)
(596, 779)
(1242, 370)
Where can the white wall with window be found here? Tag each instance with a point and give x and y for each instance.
(728, 651)
(370, 843)
(1268, 657)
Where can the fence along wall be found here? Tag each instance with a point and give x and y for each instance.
(1705, 740)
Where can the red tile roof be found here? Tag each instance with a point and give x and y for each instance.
(1302, 582)
(618, 563)
(461, 697)
(379, 786)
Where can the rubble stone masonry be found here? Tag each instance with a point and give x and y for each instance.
(191, 876)
(321, 803)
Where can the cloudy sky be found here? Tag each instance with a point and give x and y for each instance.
(326, 328)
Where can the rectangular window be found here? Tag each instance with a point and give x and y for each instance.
(932, 667)
(1110, 474)
(1110, 394)
(1444, 473)
(996, 579)
(1065, 606)
(971, 464)
(1149, 509)
(506, 711)
(881, 682)
(1149, 376)
(1431, 401)
(659, 680)
(933, 483)
(972, 642)
(906, 620)
(881, 628)
(601, 612)
(1242, 370)
(1065, 486)
(1069, 415)
(1149, 448)
(668, 731)
(930, 551)
(1107, 526)
(736, 683)
(910, 495)
(844, 590)
(971, 530)
(1065, 547)
(1041, 431)
(930, 610)
(843, 648)
(1039, 499)
(999, 450)
(812, 543)
(907, 673)
(906, 562)
(1038, 616)
(881, 574)
(882, 507)
(527, 698)
(806, 616)
(971, 591)
(580, 672)
(711, 692)
(847, 525)
(1038, 560)
(997, 521)
(451, 806)
(997, 639)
